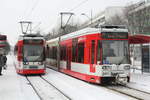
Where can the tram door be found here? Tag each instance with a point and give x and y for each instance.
(146, 58)
(68, 58)
(93, 52)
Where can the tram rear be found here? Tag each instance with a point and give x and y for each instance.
(4, 46)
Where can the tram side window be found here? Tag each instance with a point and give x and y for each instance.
(74, 49)
(47, 52)
(92, 51)
(64, 57)
(55, 53)
(98, 52)
(81, 52)
(50, 52)
(15, 50)
(73, 53)
(63, 53)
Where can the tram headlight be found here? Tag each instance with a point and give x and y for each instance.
(40, 63)
(106, 73)
(106, 67)
(127, 67)
(25, 63)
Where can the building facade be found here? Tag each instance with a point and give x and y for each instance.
(109, 16)
(139, 18)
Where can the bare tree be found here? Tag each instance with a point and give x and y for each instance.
(116, 20)
(138, 19)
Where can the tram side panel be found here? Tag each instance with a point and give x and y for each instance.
(79, 64)
(51, 54)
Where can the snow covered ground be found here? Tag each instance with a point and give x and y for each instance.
(13, 86)
(80, 90)
(140, 80)
(16, 87)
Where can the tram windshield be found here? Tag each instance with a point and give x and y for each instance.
(33, 53)
(115, 52)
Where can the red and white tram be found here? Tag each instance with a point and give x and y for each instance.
(30, 54)
(96, 55)
(3, 44)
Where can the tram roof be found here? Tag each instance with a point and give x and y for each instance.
(82, 32)
(30, 36)
(53, 40)
(87, 31)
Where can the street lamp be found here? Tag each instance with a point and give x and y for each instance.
(90, 18)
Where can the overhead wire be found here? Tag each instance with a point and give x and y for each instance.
(78, 5)
(25, 11)
(29, 14)
(32, 9)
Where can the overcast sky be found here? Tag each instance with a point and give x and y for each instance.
(46, 12)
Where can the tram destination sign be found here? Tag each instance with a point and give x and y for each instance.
(115, 35)
(33, 41)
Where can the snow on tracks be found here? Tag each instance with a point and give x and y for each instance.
(135, 93)
(45, 90)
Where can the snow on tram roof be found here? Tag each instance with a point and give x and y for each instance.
(88, 31)
(53, 40)
(76, 34)
(82, 32)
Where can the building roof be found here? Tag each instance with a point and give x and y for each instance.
(139, 39)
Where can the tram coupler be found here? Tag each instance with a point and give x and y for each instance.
(121, 79)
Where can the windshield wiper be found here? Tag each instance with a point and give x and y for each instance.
(122, 60)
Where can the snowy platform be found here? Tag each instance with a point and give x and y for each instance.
(140, 80)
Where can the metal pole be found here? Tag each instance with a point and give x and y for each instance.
(21, 27)
(91, 16)
(61, 14)
(58, 55)
(28, 25)
(62, 27)
(30, 28)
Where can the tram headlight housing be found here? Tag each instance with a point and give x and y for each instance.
(106, 67)
(40, 63)
(106, 73)
(26, 63)
(127, 67)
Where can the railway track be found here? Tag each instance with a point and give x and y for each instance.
(45, 90)
(131, 92)
(128, 91)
